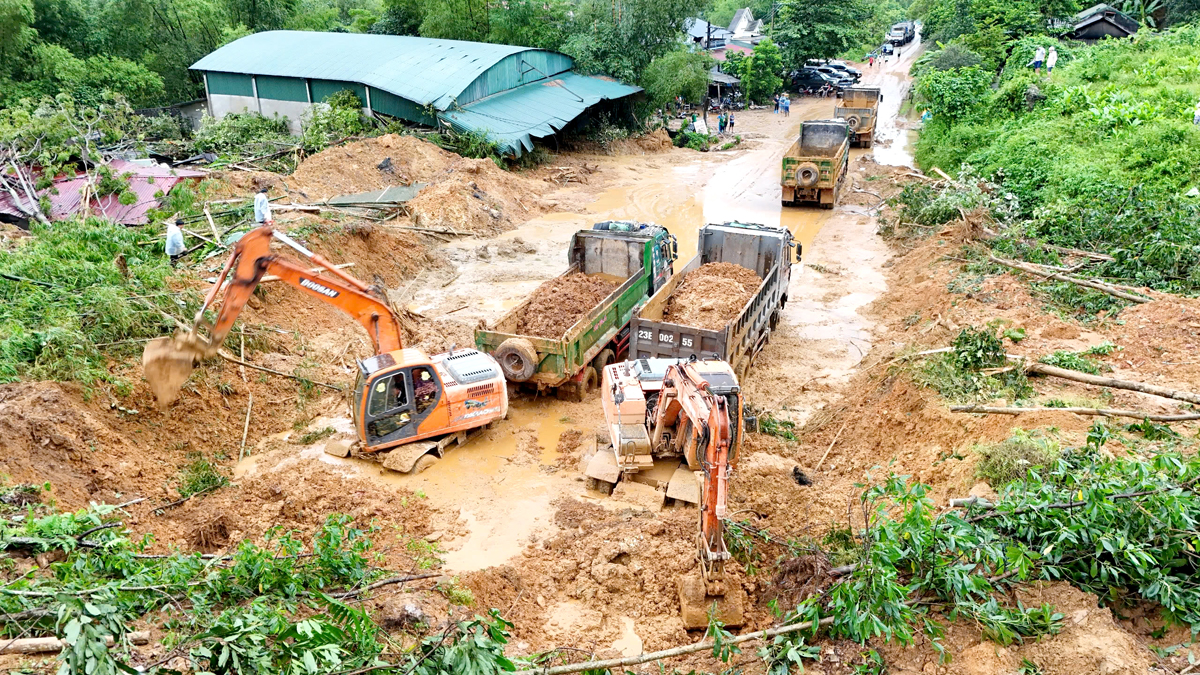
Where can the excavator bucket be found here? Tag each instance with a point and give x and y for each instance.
(695, 603)
(166, 364)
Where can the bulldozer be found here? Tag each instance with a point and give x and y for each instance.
(404, 401)
(676, 425)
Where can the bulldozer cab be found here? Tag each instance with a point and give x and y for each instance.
(390, 403)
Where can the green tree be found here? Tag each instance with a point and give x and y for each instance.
(820, 28)
(260, 14)
(456, 19)
(762, 72)
(954, 95)
(530, 23)
(66, 24)
(678, 73)
(400, 17)
(15, 33)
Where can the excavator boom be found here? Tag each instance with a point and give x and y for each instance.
(167, 362)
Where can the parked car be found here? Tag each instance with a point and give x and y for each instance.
(839, 66)
(845, 78)
(810, 78)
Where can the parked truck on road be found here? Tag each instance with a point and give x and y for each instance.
(765, 249)
(859, 107)
(642, 256)
(815, 166)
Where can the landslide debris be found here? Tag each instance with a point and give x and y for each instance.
(711, 295)
(557, 304)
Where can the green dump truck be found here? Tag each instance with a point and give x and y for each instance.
(815, 167)
(859, 107)
(640, 254)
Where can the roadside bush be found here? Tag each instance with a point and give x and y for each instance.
(694, 141)
(954, 95)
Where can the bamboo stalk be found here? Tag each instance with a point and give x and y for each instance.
(830, 448)
(1075, 376)
(1100, 412)
(246, 426)
(1058, 276)
(676, 651)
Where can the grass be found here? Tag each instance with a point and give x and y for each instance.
(456, 593)
(1002, 463)
(945, 374)
(200, 475)
(1071, 361)
(76, 309)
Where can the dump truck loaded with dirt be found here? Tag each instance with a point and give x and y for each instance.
(574, 325)
(814, 168)
(859, 107)
(402, 398)
(725, 302)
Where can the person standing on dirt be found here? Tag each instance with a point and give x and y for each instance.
(262, 208)
(1051, 59)
(731, 120)
(787, 105)
(871, 61)
(1038, 57)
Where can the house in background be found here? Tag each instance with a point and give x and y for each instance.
(705, 35)
(1101, 21)
(745, 28)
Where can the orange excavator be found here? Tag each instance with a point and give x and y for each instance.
(676, 428)
(402, 398)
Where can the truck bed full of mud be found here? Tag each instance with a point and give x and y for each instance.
(557, 304)
(712, 295)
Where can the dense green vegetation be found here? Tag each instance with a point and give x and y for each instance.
(273, 607)
(1098, 155)
(1119, 528)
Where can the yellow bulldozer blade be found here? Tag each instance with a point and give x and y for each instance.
(166, 364)
(695, 603)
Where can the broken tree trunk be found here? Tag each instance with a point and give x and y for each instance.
(1076, 376)
(41, 645)
(1101, 412)
(1058, 276)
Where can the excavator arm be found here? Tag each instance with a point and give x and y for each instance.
(167, 362)
(704, 431)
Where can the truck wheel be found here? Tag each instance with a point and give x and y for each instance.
(518, 359)
(586, 385)
(427, 460)
(807, 174)
(742, 371)
(604, 358)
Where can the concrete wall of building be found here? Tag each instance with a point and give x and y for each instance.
(220, 105)
(293, 110)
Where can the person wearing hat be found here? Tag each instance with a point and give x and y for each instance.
(262, 208)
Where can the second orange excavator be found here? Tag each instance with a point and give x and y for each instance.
(404, 401)
(687, 415)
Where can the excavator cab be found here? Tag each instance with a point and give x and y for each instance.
(390, 404)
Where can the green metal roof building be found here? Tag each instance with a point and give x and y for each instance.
(513, 94)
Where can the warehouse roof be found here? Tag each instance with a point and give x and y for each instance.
(512, 118)
(423, 70)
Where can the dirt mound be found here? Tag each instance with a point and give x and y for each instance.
(557, 304)
(355, 167)
(711, 295)
(477, 197)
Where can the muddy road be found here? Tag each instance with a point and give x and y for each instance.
(496, 500)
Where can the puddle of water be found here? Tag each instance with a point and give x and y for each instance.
(629, 644)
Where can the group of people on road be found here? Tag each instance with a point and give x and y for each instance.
(725, 122)
(783, 104)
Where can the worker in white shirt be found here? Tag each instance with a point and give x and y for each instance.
(262, 208)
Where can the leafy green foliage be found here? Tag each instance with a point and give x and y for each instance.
(83, 310)
(694, 141)
(822, 28)
(233, 132)
(314, 436)
(266, 608)
(1006, 461)
(1071, 361)
(769, 424)
(200, 475)
(761, 70)
(956, 94)
(677, 73)
(338, 117)
(1097, 156)
(957, 375)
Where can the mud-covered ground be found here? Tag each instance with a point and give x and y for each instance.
(508, 514)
